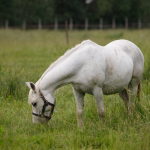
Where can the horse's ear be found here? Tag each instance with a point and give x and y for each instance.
(31, 85)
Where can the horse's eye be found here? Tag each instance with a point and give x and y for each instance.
(34, 104)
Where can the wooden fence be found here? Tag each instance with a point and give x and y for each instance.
(86, 25)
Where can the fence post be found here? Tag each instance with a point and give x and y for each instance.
(6, 24)
(24, 25)
(66, 27)
(71, 24)
(86, 23)
(113, 23)
(56, 24)
(139, 23)
(39, 24)
(101, 23)
(126, 22)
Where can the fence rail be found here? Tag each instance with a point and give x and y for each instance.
(56, 25)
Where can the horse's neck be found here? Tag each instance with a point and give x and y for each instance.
(55, 78)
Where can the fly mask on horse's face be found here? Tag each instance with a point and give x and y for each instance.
(41, 108)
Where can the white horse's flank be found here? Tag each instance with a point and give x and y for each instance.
(93, 69)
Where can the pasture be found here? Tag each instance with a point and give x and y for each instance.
(25, 55)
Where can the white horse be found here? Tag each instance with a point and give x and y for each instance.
(89, 68)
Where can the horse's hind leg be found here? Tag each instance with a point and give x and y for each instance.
(125, 97)
(133, 93)
(139, 91)
(98, 94)
(79, 96)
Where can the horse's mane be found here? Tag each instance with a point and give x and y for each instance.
(69, 51)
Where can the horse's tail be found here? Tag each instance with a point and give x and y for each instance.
(139, 91)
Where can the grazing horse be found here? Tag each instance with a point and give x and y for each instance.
(89, 68)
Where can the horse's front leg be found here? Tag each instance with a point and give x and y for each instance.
(79, 96)
(98, 94)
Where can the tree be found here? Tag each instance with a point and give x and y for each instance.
(144, 11)
(18, 10)
(64, 9)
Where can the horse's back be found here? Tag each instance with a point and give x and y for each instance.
(129, 48)
(133, 52)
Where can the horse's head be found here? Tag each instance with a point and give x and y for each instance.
(42, 109)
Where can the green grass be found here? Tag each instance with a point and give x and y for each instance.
(25, 55)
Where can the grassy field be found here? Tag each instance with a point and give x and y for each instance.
(25, 55)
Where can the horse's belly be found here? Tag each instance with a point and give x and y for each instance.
(116, 84)
(118, 73)
(118, 80)
(107, 90)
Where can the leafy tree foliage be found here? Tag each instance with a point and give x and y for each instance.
(18, 10)
(64, 9)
